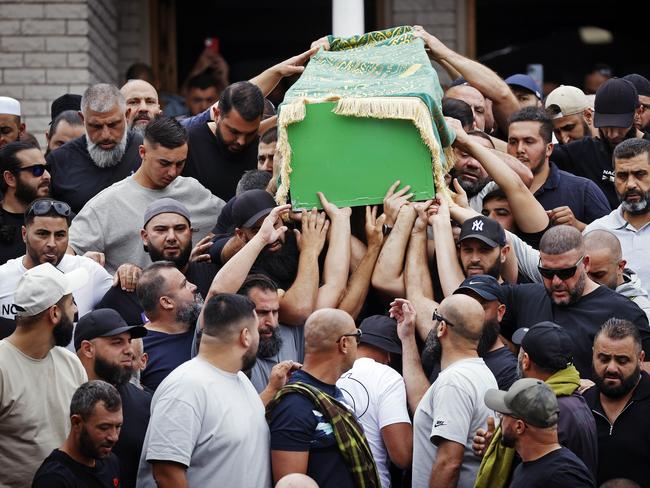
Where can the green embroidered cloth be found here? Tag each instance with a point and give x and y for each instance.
(379, 75)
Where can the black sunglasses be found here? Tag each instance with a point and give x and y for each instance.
(36, 169)
(42, 207)
(440, 318)
(562, 273)
(356, 335)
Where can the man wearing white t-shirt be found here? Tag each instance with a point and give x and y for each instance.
(46, 239)
(38, 378)
(378, 395)
(207, 425)
(452, 408)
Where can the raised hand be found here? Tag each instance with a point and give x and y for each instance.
(404, 313)
(199, 252)
(422, 220)
(313, 233)
(127, 276)
(333, 212)
(482, 438)
(374, 231)
(268, 232)
(393, 201)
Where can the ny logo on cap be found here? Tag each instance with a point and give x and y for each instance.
(477, 225)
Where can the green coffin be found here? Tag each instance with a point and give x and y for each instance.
(354, 160)
(363, 114)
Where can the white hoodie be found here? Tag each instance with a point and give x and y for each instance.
(631, 288)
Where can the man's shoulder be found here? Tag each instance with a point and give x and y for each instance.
(107, 197)
(71, 262)
(612, 220)
(11, 268)
(70, 152)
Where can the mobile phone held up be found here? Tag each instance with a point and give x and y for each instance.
(212, 44)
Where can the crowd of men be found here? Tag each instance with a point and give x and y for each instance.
(165, 323)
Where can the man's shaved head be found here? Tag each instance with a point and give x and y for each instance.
(324, 327)
(603, 240)
(473, 98)
(467, 316)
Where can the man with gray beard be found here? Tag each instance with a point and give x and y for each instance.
(107, 153)
(172, 307)
(629, 222)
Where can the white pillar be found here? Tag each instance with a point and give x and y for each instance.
(347, 18)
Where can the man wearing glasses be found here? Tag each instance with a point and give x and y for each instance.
(45, 236)
(452, 408)
(568, 297)
(24, 177)
(308, 416)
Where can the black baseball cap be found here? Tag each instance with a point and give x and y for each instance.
(104, 322)
(615, 104)
(486, 286)
(65, 102)
(484, 229)
(381, 331)
(641, 83)
(250, 206)
(547, 344)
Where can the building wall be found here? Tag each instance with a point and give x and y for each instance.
(48, 48)
(445, 19)
(133, 30)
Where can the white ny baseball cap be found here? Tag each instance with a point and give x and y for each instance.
(43, 286)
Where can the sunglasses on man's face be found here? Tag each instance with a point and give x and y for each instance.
(42, 207)
(439, 318)
(562, 273)
(357, 335)
(36, 169)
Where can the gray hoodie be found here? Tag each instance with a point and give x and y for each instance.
(631, 288)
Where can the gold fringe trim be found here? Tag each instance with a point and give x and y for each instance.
(404, 108)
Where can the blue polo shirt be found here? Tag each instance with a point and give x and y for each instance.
(585, 199)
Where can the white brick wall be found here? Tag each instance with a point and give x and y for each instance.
(52, 47)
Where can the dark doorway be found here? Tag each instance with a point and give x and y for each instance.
(510, 34)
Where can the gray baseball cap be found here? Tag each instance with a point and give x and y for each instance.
(528, 399)
(165, 205)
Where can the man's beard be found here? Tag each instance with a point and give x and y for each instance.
(574, 295)
(106, 158)
(629, 135)
(62, 332)
(432, 351)
(140, 128)
(111, 373)
(491, 331)
(27, 194)
(539, 165)
(271, 346)
(626, 386)
(494, 270)
(228, 147)
(89, 449)
(189, 313)
(249, 359)
(281, 265)
(507, 440)
(636, 208)
(472, 188)
(179, 261)
(35, 257)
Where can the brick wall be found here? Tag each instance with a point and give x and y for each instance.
(132, 34)
(48, 48)
(442, 18)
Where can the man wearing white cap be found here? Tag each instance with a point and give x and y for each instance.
(11, 127)
(37, 376)
(572, 114)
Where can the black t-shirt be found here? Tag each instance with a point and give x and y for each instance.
(624, 446)
(128, 306)
(529, 304)
(297, 425)
(223, 231)
(61, 471)
(216, 168)
(76, 178)
(503, 364)
(11, 238)
(135, 412)
(576, 430)
(591, 158)
(557, 469)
